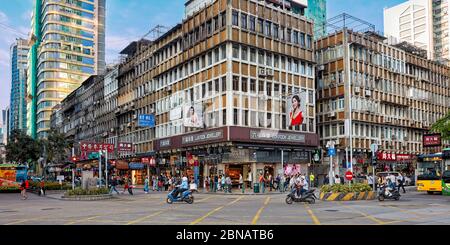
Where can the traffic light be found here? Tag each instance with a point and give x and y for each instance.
(74, 159)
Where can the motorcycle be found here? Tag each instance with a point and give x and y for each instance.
(382, 194)
(308, 197)
(186, 196)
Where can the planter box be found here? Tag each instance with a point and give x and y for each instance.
(351, 196)
(87, 197)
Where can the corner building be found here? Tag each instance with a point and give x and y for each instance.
(241, 60)
(395, 95)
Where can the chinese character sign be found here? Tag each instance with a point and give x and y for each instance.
(125, 147)
(146, 120)
(430, 140)
(92, 147)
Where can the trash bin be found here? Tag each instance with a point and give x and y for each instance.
(256, 188)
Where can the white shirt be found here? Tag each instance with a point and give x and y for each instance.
(337, 180)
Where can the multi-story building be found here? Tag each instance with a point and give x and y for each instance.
(18, 106)
(107, 117)
(237, 64)
(370, 92)
(68, 46)
(5, 123)
(423, 23)
(317, 11)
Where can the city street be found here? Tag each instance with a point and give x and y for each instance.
(151, 209)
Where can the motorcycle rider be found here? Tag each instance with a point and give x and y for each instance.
(181, 188)
(390, 186)
(305, 185)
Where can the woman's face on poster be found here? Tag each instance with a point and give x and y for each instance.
(295, 103)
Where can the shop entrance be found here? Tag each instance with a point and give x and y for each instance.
(235, 170)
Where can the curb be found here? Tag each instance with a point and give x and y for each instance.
(87, 198)
(352, 196)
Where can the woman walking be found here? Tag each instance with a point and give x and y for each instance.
(146, 185)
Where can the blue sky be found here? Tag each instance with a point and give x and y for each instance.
(128, 20)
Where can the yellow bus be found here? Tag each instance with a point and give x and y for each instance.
(429, 172)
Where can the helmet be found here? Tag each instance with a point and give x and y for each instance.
(184, 179)
(303, 177)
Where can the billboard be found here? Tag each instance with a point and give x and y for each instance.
(193, 116)
(296, 108)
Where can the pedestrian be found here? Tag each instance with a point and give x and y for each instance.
(42, 188)
(160, 182)
(278, 181)
(228, 183)
(401, 182)
(222, 182)
(337, 180)
(130, 187)
(125, 185)
(326, 181)
(113, 186)
(146, 185)
(262, 181)
(154, 183)
(270, 182)
(311, 179)
(206, 184)
(250, 179)
(166, 182)
(216, 182)
(241, 181)
(370, 181)
(23, 190)
(281, 184)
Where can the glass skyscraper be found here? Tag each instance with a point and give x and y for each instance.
(68, 46)
(317, 10)
(18, 107)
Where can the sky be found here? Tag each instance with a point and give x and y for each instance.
(128, 20)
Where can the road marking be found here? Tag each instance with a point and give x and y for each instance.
(82, 220)
(311, 213)
(255, 219)
(380, 222)
(146, 217)
(213, 211)
(25, 220)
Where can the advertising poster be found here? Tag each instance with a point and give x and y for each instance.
(193, 116)
(296, 109)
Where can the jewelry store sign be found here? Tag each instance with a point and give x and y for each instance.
(164, 143)
(276, 136)
(202, 137)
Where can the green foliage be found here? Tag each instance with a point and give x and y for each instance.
(345, 188)
(83, 192)
(51, 185)
(443, 126)
(9, 189)
(56, 147)
(21, 148)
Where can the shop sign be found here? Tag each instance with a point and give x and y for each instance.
(432, 159)
(136, 165)
(90, 147)
(152, 161)
(164, 143)
(121, 165)
(272, 135)
(299, 156)
(125, 147)
(237, 155)
(430, 140)
(201, 137)
(393, 157)
(145, 160)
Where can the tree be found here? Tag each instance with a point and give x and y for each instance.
(22, 149)
(442, 126)
(57, 147)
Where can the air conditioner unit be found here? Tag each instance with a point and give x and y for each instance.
(321, 68)
(368, 93)
(262, 72)
(132, 104)
(382, 136)
(112, 130)
(393, 137)
(357, 90)
(332, 114)
(426, 124)
(269, 72)
(406, 138)
(168, 88)
(117, 110)
(135, 117)
(387, 119)
(121, 127)
(129, 125)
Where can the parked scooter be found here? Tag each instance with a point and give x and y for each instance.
(186, 196)
(382, 194)
(308, 197)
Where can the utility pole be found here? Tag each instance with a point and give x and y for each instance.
(100, 167)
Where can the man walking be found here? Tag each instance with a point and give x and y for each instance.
(370, 181)
(311, 179)
(113, 186)
(401, 182)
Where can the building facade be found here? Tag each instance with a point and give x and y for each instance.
(18, 106)
(317, 11)
(220, 86)
(68, 46)
(381, 94)
(423, 23)
(5, 123)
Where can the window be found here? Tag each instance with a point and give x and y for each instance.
(235, 18)
(235, 83)
(244, 21)
(308, 41)
(252, 23)
(244, 84)
(295, 39)
(224, 117)
(244, 53)
(253, 55)
(253, 85)
(267, 30)
(235, 117)
(275, 31)
(302, 39)
(260, 25)
(236, 51)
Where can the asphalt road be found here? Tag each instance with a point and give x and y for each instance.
(151, 209)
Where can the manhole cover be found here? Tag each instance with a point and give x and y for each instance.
(331, 210)
(50, 208)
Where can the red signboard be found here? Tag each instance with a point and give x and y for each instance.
(349, 175)
(92, 147)
(125, 147)
(145, 160)
(430, 140)
(393, 156)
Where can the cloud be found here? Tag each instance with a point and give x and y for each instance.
(26, 16)
(3, 18)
